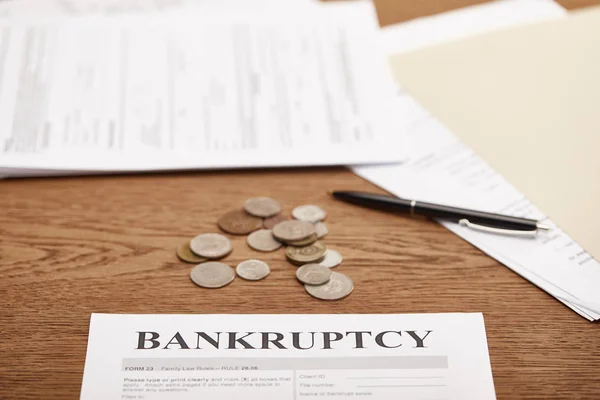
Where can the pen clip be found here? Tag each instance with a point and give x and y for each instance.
(488, 229)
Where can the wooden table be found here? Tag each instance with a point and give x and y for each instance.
(73, 246)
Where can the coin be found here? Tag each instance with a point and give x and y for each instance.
(293, 230)
(338, 287)
(309, 213)
(239, 222)
(321, 230)
(263, 240)
(301, 263)
(185, 254)
(304, 242)
(262, 206)
(306, 254)
(212, 274)
(332, 259)
(253, 270)
(269, 223)
(313, 274)
(211, 245)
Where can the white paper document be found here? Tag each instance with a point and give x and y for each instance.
(196, 90)
(279, 357)
(444, 170)
(447, 172)
(20, 8)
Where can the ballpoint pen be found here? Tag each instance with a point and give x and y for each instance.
(477, 220)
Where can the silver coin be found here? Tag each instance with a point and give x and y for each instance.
(309, 213)
(253, 270)
(321, 230)
(338, 287)
(313, 274)
(290, 231)
(304, 242)
(212, 274)
(263, 240)
(262, 207)
(332, 259)
(211, 245)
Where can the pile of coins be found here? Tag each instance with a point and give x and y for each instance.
(268, 230)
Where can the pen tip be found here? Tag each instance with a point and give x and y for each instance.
(330, 192)
(543, 227)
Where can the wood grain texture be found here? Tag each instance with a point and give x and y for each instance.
(394, 11)
(73, 246)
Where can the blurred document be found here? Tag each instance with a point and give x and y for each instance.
(304, 86)
(287, 357)
(444, 170)
(543, 144)
(20, 8)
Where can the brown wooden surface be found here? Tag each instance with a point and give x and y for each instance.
(392, 11)
(73, 246)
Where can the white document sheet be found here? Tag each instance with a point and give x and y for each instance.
(450, 173)
(302, 86)
(443, 170)
(20, 8)
(280, 357)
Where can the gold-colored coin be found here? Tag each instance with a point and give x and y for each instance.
(304, 242)
(307, 254)
(301, 263)
(184, 253)
(239, 222)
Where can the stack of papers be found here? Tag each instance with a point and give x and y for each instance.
(301, 85)
(264, 86)
(444, 170)
(509, 104)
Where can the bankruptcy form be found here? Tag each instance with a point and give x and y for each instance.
(230, 357)
(303, 86)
